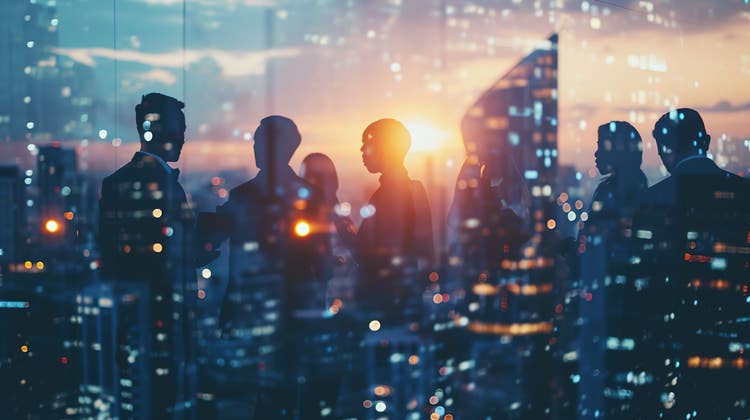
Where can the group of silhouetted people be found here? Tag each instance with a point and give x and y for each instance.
(287, 237)
(664, 266)
(284, 232)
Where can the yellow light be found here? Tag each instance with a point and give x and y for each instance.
(302, 228)
(374, 325)
(425, 136)
(156, 213)
(25, 348)
(28, 265)
(40, 265)
(52, 226)
(157, 247)
(382, 391)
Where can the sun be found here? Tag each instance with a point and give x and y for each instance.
(425, 136)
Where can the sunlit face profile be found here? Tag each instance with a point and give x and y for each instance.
(372, 155)
(384, 145)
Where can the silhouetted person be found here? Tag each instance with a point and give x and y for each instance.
(688, 234)
(146, 230)
(619, 154)
(318, 169)
(488, 220)
(279, 258)
(328, 337)
(488, 217)
(396, 233)
(603, 245)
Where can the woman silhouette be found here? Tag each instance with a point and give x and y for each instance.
(318, 169)
(618, 157)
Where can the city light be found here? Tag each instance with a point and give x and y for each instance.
(509, 265)
(302, 228)
(52, 226)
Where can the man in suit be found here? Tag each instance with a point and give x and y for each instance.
(395, 238)
(146, 229)
(689, 235)
(279, 261)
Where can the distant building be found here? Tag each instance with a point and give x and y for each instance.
(44, 96)
(58, 193)
(510, 134)
(115, 335)
(11, 215)
(39, 370)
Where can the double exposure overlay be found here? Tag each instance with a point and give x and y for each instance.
(374, 209)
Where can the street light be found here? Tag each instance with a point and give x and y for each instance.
(52, 226)
(302, 228)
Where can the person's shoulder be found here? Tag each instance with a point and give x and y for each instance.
(418, 188)
(606, 184)
(737, 183)
(126, 172)
(247, 188)
(660, 193)
(302, 187)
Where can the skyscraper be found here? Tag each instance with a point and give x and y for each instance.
(44, 96)
(505, 240)
(115, 336)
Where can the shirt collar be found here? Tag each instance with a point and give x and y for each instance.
(159, 159)
(285, 172)
(691, 157)
(395, 175)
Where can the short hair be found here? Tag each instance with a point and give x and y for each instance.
(279, 132)
(682, 130)
(390, 133)
(149, 111)
(626, 141)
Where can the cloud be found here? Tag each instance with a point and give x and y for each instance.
(232, 63)
(157, 75)
(723, 106)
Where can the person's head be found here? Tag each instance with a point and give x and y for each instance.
(318, 169)
(619, 148)
(161, 125)
(384, 145)
(680, 133)
(276, 140)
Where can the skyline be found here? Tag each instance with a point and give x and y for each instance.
(618, 61)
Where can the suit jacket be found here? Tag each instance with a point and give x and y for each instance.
(692, 257)
(266, 254)
(146, 226)
(390, 245)
(146, 235)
